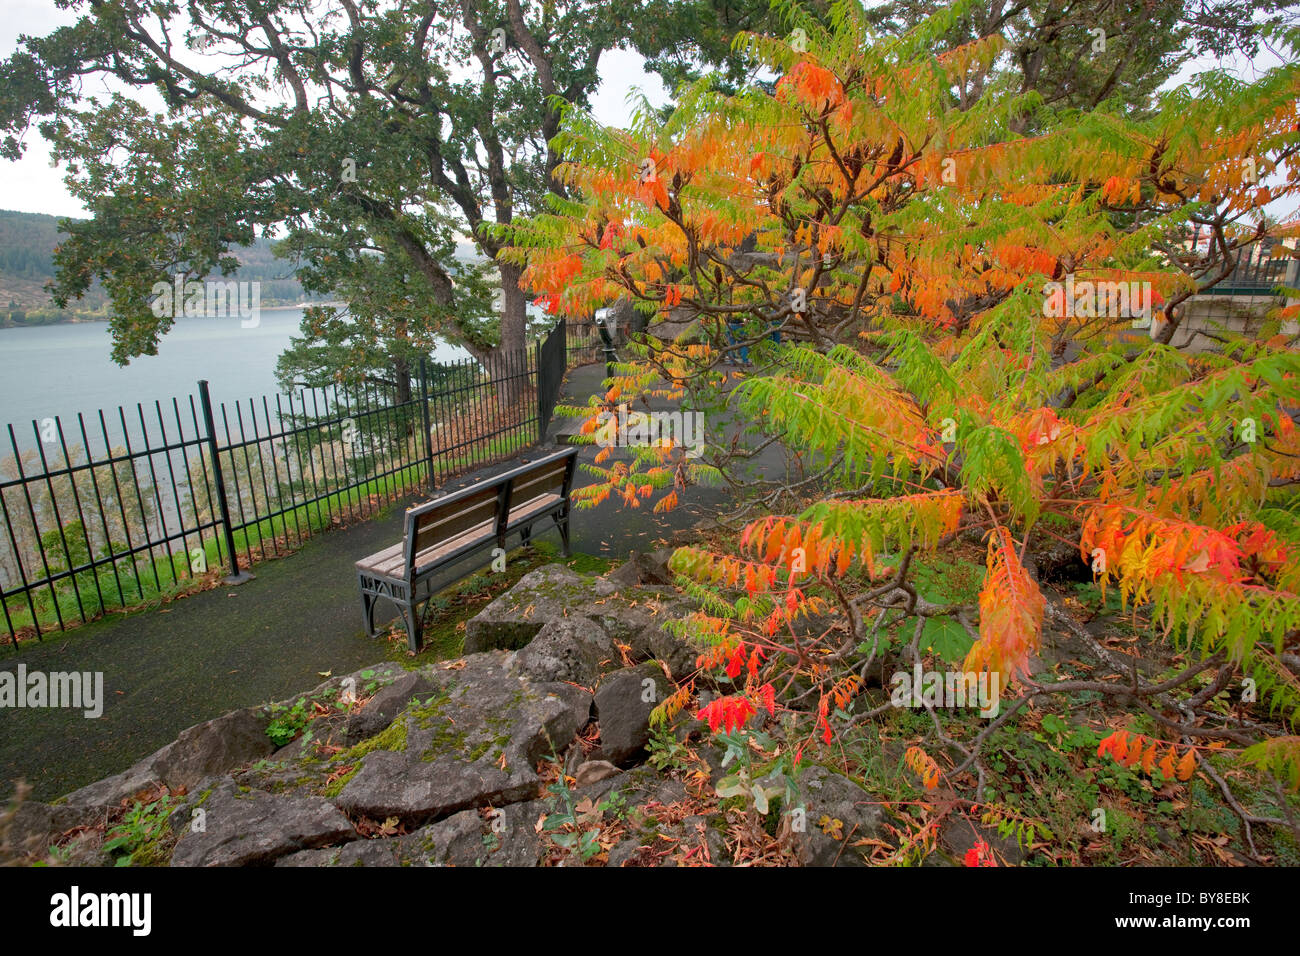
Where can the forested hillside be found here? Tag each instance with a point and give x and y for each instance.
(27, 242)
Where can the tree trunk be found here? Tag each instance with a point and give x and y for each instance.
(402, 376)
(514, 312)
(506, 363)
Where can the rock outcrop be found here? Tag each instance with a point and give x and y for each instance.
(459, 763)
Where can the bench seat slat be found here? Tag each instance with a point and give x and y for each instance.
(372, 563)
(391, 562)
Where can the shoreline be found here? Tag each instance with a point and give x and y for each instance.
(88, 319)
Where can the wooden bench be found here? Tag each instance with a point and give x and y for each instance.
(452, 526)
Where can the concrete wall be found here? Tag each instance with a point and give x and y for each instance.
(1243, 314)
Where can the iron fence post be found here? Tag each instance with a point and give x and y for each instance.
(424, 417)
(551, 357)
(542, 387)
(236, 576)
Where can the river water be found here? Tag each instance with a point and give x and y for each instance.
(60, 370)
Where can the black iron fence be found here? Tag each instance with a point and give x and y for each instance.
(1257, 269)
(584, 343)
(118, 511)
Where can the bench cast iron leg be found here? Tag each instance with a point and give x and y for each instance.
(367, 607)
(562, 522)
(411, 618)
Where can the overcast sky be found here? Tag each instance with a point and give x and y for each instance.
(32, 185)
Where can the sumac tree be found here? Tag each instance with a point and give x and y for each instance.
(943, 389)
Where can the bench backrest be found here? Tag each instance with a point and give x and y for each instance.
(439, 521)
(551, 476)
(445, 518)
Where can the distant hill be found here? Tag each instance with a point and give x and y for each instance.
(27, 242)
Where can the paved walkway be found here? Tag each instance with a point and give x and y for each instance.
(198, 657)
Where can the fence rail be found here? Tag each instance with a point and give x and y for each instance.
(93, 522)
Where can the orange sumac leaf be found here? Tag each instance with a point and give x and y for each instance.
(1149, 760)
(923, 765)
(1011, 613)
(667, 503)
(1167, 764)
(1112, 744)
(1134, 751)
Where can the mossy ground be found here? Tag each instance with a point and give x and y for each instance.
(447, 611)
(444, 640)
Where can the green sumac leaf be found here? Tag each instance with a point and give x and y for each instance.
(946, 637)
